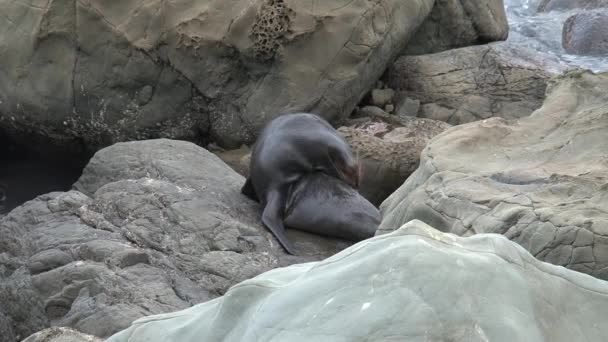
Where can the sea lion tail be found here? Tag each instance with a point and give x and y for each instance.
(273, 219)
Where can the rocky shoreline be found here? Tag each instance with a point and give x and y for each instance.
(487, 160)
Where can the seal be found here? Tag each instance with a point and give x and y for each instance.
(324, 205)
(289, 147)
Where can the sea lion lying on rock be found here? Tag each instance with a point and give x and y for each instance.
(288, 148)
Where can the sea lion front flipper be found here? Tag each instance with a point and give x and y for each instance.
(249, 191)
(273, 219)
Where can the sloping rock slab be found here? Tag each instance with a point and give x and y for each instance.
(154, 226)
(416, 284)
(542, 181)
(474, 83)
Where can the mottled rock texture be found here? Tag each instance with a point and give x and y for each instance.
(541, 181)
(150, 227)
(388, 153)
(586, 33)
(416, 284)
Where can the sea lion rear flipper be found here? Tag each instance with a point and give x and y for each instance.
(249, 191)
(273, 219)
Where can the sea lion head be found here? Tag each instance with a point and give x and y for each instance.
(346, 166)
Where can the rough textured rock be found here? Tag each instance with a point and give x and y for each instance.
(586, 33)
(388, 153)
(457, 23)
(542, 180)
(238, 159)
(550, 5)
(474, 83)
(98, 72)
(151, 227)
(61, 335)
(416, 284)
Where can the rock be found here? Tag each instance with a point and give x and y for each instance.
(388, 153)
(436, 112)
(61, 335)
(457, 23)
(540, 181)
(474, 83)
(238, 159)
(407, 107)
(369, 111)
(93, 72)
(416, 284)
(3, 208)
(550, 5)
(389, 108)
(382, 97)
(150, 227)
(586, 34)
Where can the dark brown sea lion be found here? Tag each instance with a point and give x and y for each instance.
(289, 147)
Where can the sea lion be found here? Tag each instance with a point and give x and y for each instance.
(2, 199)
(289, 147)
(324, 205)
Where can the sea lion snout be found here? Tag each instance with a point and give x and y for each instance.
(351, 176)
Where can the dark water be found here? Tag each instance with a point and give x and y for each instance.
(26, 173)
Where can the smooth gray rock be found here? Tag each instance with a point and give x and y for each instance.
(382, 97)
(540, 181)
(457, 23)
(416, 284)
(474, 83)
(407, 107)
(96, 72)
(586, 33)
(151, 227)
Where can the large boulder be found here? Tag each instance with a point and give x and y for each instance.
(96, 72)
(540, 180)
(388, 153)
(416, 284)
(150, 227)
(550, 5)
(474, 83)
(457, 23)
(586, 33)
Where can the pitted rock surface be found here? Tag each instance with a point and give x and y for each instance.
(541, 181)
